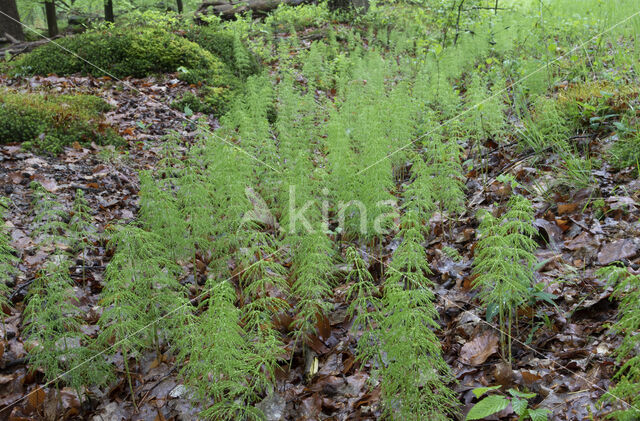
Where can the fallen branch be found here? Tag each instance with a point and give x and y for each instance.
(10, 38)
(228, 9)
(18, 48)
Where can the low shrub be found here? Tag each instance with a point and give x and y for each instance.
(120, 52)
(227, 46)
(48, 122)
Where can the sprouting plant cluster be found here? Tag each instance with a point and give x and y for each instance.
(504, 263)
(624, 396)
(8, 260)
(242, 240)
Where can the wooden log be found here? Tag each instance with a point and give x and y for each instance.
(228, 9)
(22, 47)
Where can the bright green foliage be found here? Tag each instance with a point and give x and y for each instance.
(81, 227)
(504, 263)
(160, 214)
(7, 260)
(140, 291)
(53, 326)
(49, 121)
(227, 46)
(626, 288)
(312, 251)
(545, 127)
(362, 293)
(404, 335)
(444, 165)
(488, 406)
(298, 17)
(486, 116)
(259, 281)
(221, 365)
(81, 223)
(493, 404)
(49, 219)
(626, 152)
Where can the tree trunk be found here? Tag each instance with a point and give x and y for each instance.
(52, 20)
(180, 6)
(10, 20)
(108, 11)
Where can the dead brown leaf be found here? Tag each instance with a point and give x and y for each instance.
(479, 348)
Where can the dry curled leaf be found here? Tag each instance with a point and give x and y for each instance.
(479, 348)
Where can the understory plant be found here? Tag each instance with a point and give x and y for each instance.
(625, 394)
(7, 261)
(141, 290)
(407, 336)
(495, 403)
(81, 228)
(53, 327)
(221, 368)
(503, 264)
(49, 220)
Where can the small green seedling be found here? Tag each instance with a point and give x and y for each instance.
(493, 404)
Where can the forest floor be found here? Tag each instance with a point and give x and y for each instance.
(566, 360)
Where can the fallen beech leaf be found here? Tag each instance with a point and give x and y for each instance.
(15, 177)
(479, 349)
(6, 378)
(618, 250)
(49, 184)
(565, 208)
(36, 399)
(529, 377)
(564, 224)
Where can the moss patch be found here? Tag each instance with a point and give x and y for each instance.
(49, 122)
(597, 104)
(120, 52)
(216, 63)
(227, 46)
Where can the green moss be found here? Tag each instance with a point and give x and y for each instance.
(48, 122)
(138, 52)
(120, 52)
(227, 46)
(596, 104)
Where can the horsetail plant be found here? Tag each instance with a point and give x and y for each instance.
(626, 288)
(404, 341)
(81, 228)
(49, 218)
(7, 262)
(140, 290)
(53, 328)
(504, 263)
(219, 362)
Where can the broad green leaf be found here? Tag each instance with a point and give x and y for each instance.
(492, 311)
(517, 393)
(540, 414)
(519, 406)
(488, 406)
(479, 391)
